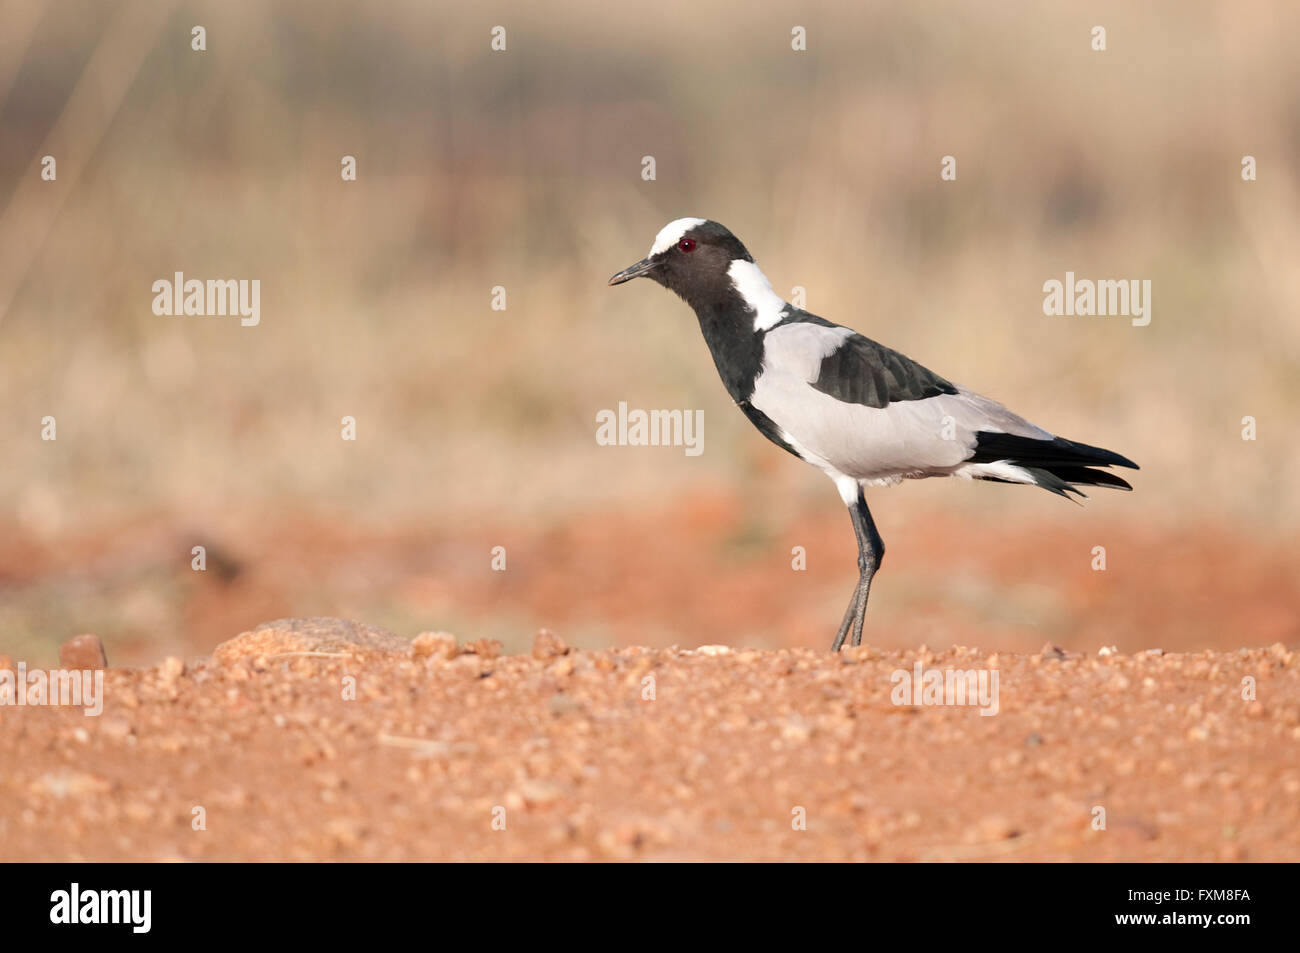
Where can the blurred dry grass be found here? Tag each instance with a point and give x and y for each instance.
(522, 169)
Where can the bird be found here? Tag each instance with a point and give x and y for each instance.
(862, 413)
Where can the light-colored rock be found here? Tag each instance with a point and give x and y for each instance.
(170, 670)
(548, 645)
(438, 645)
(326, 635)
(484, 648)
(83, 652)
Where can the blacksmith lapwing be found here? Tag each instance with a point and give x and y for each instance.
(864, 414)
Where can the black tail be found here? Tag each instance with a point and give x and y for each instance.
(1055, 464)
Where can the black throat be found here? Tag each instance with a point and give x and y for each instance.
(727, 324)
(703, 280)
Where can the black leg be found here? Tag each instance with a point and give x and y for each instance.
(871, 550)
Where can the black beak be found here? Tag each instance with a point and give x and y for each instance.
(642, 267)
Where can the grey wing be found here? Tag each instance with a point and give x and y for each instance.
(860, 371)
(853, 406)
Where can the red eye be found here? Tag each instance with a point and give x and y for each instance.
(686, 244)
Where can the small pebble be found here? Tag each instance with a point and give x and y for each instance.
(438, 645)
(548, 645)
(83, 652)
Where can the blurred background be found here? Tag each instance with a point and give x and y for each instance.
(522, 168)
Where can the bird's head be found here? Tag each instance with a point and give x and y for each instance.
(691, 256)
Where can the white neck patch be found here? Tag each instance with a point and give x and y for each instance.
(672, 233)
(757, 291)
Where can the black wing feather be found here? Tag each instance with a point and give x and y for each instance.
(860, 371)
(993, 447)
